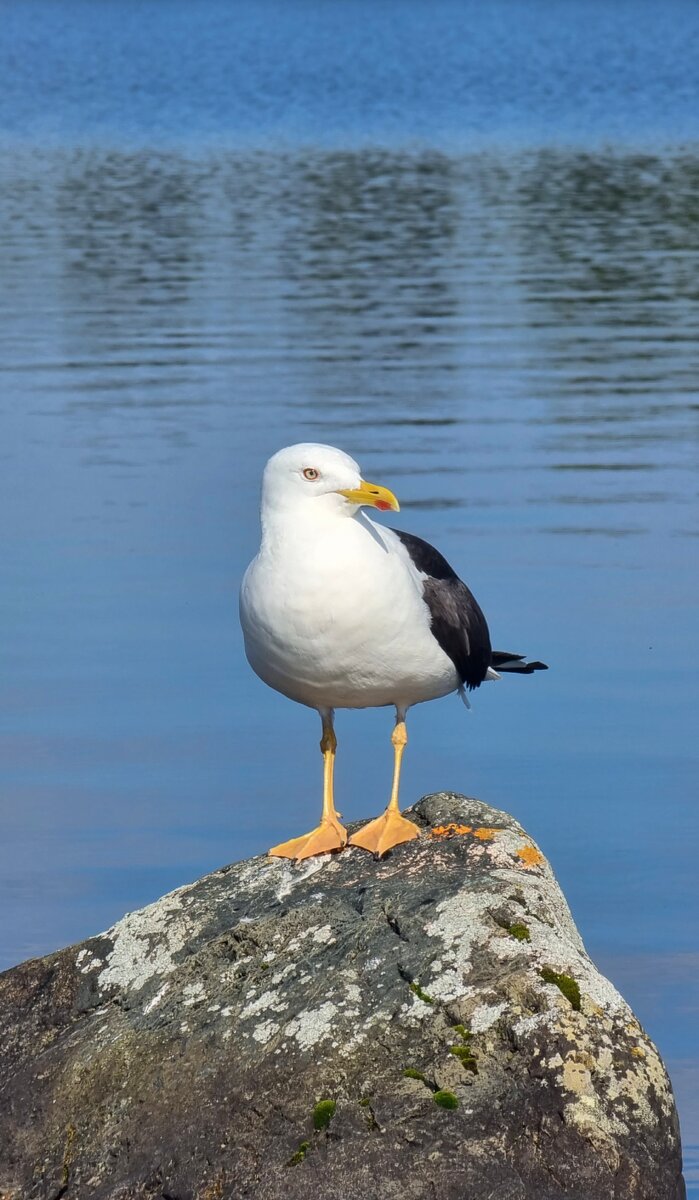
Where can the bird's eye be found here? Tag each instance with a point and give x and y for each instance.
(310, 474)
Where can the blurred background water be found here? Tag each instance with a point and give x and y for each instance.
(459, 241)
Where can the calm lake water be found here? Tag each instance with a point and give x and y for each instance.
(460, 242)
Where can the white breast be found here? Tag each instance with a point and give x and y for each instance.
(333, 616)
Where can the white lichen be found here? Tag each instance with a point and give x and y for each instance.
(460, 924)
(353, 993)
(289, 876)
(363, 1031)
(323, 936)
(265, 1031)
(283, 974)
(144, 944)
(155, 1000)
(86, 961)
(192, 993)
(485, 1016)
(257, 1004)
(312, 1025)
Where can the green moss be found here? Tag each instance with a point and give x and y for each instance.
(462, 1031)
(299, 1155)
(417, 991)
(323, 1113)
(565, 984)
(519, 931)
(365, 1102)
(411, 1073)
(446, 1099)
(466, 1057)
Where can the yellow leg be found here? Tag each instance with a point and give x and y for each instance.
(390, 829)
(330, 834)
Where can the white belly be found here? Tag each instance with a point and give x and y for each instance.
(338, 621)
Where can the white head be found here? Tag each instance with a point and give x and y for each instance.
(318, 481)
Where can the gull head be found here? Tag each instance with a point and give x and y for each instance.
(319, 481)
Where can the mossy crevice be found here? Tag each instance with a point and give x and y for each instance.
(299, 1154)
(516, 929)
(421, 995)
(445, 1099)
(365, 1104)
(412, 1073)
(565, 984)
(466, 1057)
(323, 1113)
(464, 1051)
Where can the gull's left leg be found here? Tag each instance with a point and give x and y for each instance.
(390, 829)
(330, 834)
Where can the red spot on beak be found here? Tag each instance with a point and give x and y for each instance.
(381, 504)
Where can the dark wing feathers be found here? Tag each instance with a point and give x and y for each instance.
(456, 619)
(514, 663)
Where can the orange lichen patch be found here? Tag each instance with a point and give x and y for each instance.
(449, 830)
(484, 833)
(530, 856)
(638, 1052)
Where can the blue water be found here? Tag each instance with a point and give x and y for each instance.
(339, 73)
(459, 241)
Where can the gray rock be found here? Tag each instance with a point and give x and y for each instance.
(440, 1001)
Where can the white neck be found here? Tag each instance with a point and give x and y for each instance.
(280, 522)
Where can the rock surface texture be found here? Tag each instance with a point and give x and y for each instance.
(424, 1026)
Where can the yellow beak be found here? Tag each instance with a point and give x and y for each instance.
(373, 494)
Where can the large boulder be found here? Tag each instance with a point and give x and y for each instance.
(427, 1025)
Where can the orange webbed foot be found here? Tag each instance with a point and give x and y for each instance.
(385, 832)
(329, 835)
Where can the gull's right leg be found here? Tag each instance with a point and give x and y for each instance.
(330, 834)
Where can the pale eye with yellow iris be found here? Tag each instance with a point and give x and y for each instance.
(310, 474)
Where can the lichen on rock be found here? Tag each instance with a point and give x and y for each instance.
(426, 1024)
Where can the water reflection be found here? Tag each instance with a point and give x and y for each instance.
(553, 295)
(411, 265)
(611, 280)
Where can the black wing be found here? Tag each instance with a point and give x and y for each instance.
(456, 619)
(516, 663)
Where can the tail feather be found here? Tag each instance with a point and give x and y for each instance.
(516, 664)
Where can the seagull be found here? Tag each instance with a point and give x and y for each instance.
(338, 611)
